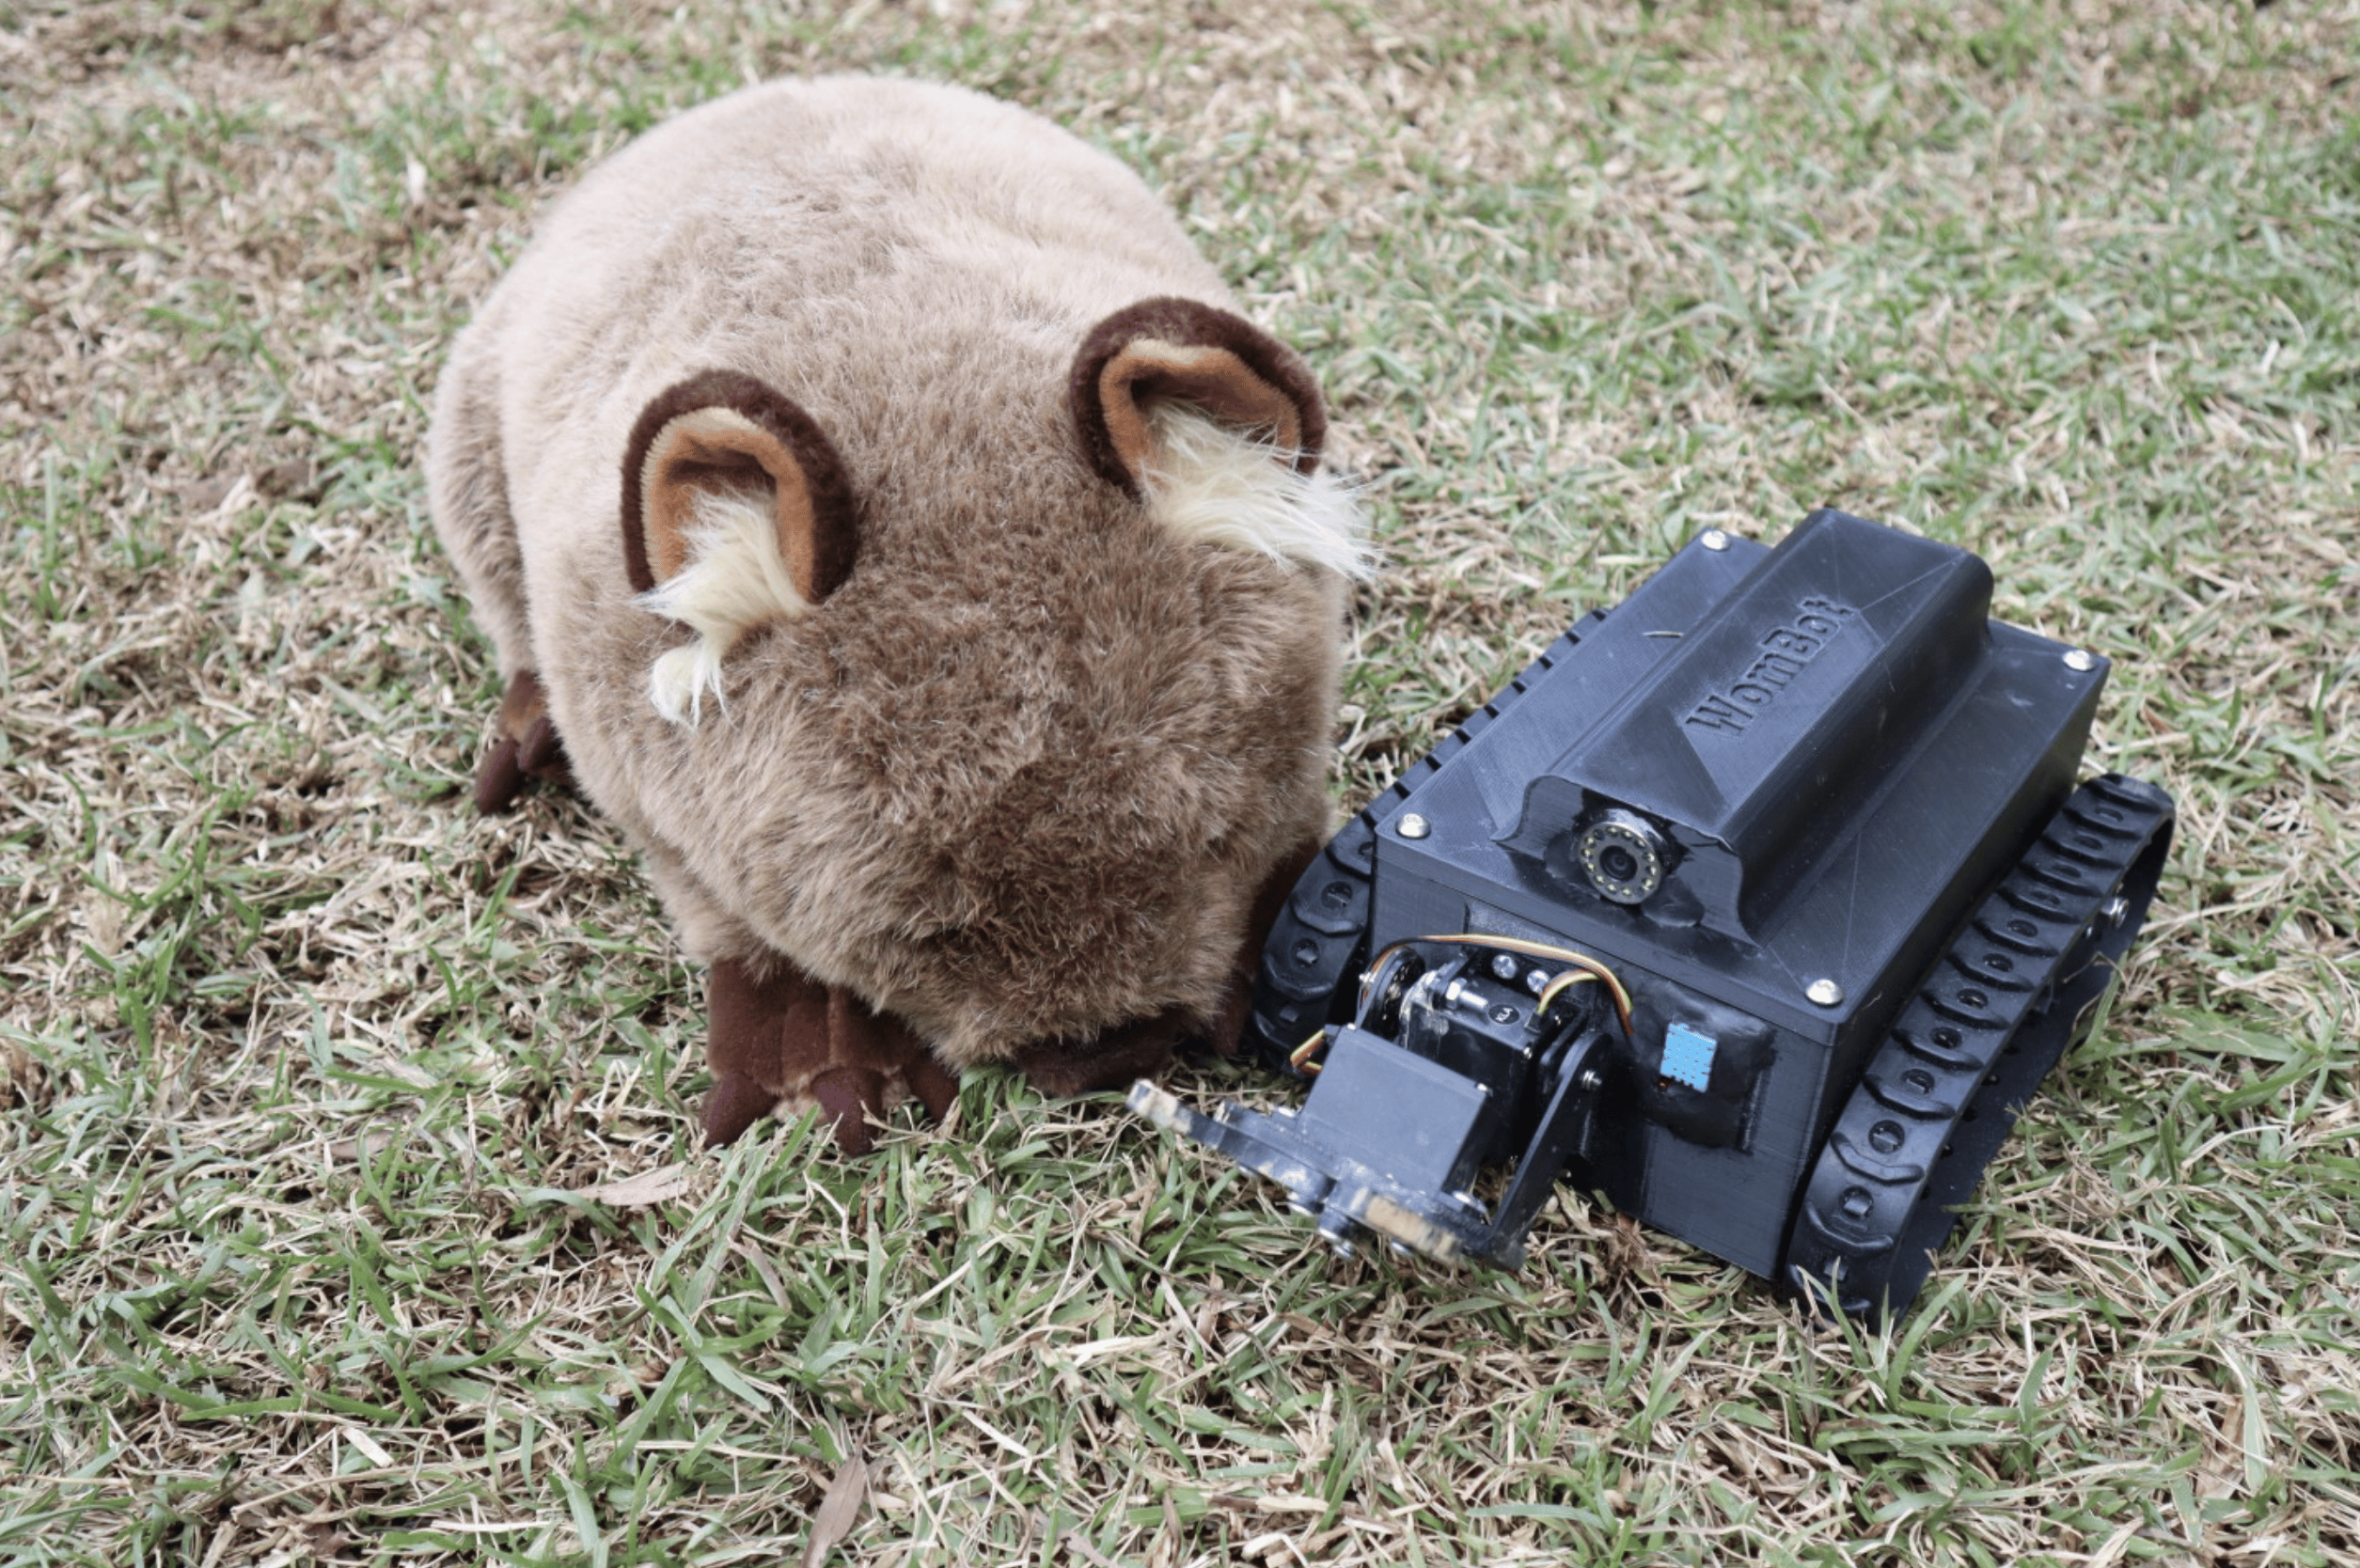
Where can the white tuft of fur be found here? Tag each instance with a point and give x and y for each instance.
(735, 580)
(1212, 486)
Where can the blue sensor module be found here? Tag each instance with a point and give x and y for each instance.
(1687, 1057)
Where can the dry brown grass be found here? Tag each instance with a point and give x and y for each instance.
(299, 1063)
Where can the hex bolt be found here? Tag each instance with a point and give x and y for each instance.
(1713, 539)
(2116, 909)
(1824, 993)
(2080, 659)
(1415, 827)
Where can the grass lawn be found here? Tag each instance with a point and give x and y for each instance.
(303, 1068)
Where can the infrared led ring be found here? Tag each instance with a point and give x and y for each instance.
(1624, 856)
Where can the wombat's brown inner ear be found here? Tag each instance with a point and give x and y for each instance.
(724, 433)
(1180, 350)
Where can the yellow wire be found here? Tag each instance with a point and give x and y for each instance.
(1300, 1058)
(1581, 961)
(1562, 983)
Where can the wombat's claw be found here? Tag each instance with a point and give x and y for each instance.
(525, 746)
(732, 1104)
(847, 1097)
(933, 1083)
(497, 779)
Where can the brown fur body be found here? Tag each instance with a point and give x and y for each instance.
(1018, 779)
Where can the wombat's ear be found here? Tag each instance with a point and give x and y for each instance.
(723, 437)
(1179, 351)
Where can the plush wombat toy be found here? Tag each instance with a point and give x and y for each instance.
(879, 510)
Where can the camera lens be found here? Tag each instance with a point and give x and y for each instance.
(1624, 856)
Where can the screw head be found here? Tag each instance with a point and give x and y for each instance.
(1824, 993)
(1414, 826)
(1338, 1231)
(1713, 539)
(2080, 659)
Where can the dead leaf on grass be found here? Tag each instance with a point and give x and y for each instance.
(21, 1076)
(838, 1512)
(206, 494)
(367, 1146)
(296, 477)
(645, 1190)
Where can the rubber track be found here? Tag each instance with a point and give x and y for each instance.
(1311, 965)
(1941, 1091)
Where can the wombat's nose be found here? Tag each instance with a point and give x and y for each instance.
(1112, 1060)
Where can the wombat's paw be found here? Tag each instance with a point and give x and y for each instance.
(524, 745)
(788, 1042)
